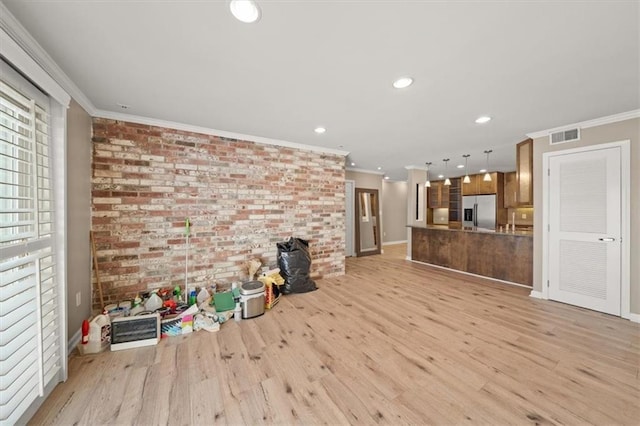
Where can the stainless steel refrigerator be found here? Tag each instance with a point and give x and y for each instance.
(479, 211)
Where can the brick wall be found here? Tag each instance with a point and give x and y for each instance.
(241, 197)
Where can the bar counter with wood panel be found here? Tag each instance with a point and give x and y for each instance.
(500, 255)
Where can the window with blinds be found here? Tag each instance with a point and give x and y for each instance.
(30, 353)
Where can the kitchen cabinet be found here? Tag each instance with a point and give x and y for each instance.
(470, 188)
(487, 187)
(510, 190)
(478, 186)
(438, 195)
(455, 202)
(504, 256)
(524, 164)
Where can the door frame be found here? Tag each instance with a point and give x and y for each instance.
(625, 219)
(350, 227)
(377, 232)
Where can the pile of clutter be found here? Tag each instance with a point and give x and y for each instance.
(177, 311)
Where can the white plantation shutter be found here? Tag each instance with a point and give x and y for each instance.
(30, 352)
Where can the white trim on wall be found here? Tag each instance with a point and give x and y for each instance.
(388, 243)
(625, 172)
(589, 123)
(28, 45)
(20, 48)
(214, 132)
(536, 294)
(471, 274)
(20, 60)
(371, 172)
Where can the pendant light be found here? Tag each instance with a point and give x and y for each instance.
(487, 176)
(447, 182)
(466, 179)
(427, 184)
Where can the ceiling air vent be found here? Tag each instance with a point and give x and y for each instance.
(564, 136)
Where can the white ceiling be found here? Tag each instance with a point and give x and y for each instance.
(530, 65)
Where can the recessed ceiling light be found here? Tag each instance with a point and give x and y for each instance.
(353, 164)
(483, 170)
(246, 11)
(460, 166)
(402, 82)
(483, 119)
(319, 130)
(440, 176)
(386, 177)
(379, 168)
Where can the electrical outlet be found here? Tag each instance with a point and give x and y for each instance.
(524, 215)
(78, 299)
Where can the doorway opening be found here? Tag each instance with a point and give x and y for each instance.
(367, 222)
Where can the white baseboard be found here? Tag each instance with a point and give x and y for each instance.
(634, 317)
(75, 339)
(536, 294)
(388, 243)
(470, 274)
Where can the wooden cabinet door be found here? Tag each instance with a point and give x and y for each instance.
(510, 190)
(444, 196)
(524, 163)
(470, 188)
(455, 201)
(434, 195)
(487, 187)
(438, 195)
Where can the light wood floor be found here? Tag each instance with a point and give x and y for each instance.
(391, 342)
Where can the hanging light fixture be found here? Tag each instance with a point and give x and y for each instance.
(466, 179)
(447, 182)
(427, 184)
(487, 176)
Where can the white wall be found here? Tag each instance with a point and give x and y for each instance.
(394, 211)
(369, 181)
(615, 132)
(78, 216)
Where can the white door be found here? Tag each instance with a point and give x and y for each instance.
(349, 214)
(585, 229)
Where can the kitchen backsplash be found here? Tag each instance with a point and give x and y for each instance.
(523, 216)
(440, 216)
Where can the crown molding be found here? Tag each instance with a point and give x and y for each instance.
(32, 48)
(589, 123)
(371, 172)
(213, 132)
(16, 58)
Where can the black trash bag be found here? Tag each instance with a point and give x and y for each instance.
(294, 261)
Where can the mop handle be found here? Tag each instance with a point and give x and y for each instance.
(187, 232)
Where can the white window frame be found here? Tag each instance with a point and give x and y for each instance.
(13, 54)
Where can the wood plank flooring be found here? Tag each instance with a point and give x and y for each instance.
(391, 342)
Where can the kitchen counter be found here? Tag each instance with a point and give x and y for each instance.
(518, 232)
(505, 256)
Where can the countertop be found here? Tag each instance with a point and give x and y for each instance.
(517, 233)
